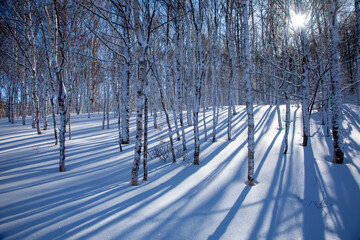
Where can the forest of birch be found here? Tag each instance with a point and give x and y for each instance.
(181, 60)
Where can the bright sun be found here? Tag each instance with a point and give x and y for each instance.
(298, 20)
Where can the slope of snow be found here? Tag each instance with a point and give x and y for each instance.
(301, 195)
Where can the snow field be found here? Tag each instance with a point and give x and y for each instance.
(301, 195)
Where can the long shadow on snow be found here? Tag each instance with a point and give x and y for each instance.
(149, 196)
(352, 116)
(87, 152)
(90, 158)
(102, 188)
(266, 206)
(146, 197)
(277, 218)
(221, 229)
(313, 223)
(353, 128)
(204, 208)
(336, 206)
(48, 200)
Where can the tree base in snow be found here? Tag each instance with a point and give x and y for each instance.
(251, 183)
(305, 141)
(134, 182)
(196, 159)
(338, 157)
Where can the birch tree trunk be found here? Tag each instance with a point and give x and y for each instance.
(305, 87)
(139, 124)
(357, 11)
(146, 122)
(231, 77)
(107, 100)
(52, 98)
(46, 104)
(214, 73)
(104, 109)
(125, 88)
(198, 21)
(142, 62)
(125, 94)
(115, 84)
(335, 85)
(60, 59)
(179, 79)
(204, 105)
(154, 101)
(249, 101)
(188, 73)
(286, 92)
(23, 98)
(34, 77)
(49, 52)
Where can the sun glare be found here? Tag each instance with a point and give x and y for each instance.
(298, 20)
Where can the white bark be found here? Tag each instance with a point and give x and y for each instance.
(249, 100)
(286, 92)
(142, 64)
(198, 21)
(231, 77)
(125, 98)
(214, 72)
(204, 105)
(23, 98)
(154, 103)
(60, 59)
(108, 101)
(305, 87)
(104, 109)
(336, 85)
(34, 77)
(179, 78)
(188, 72)
(146, 121)
(88, 89)
(357, 11)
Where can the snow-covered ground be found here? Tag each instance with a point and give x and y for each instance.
(301, 195)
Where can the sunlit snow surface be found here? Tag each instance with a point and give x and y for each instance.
(298, 196)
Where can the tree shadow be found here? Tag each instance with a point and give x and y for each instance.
(102, 220)
(221, 229)
(313, 223)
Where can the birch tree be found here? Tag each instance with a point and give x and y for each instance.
(197, 15)
(60, 21)
(214, 55)
(228, 22)
(34, 73)
(249, 100)
(336, 78)
(357, 12)
(142, 43)
(305, 87)
(286, 60)
(179, 55)
(125, 85)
